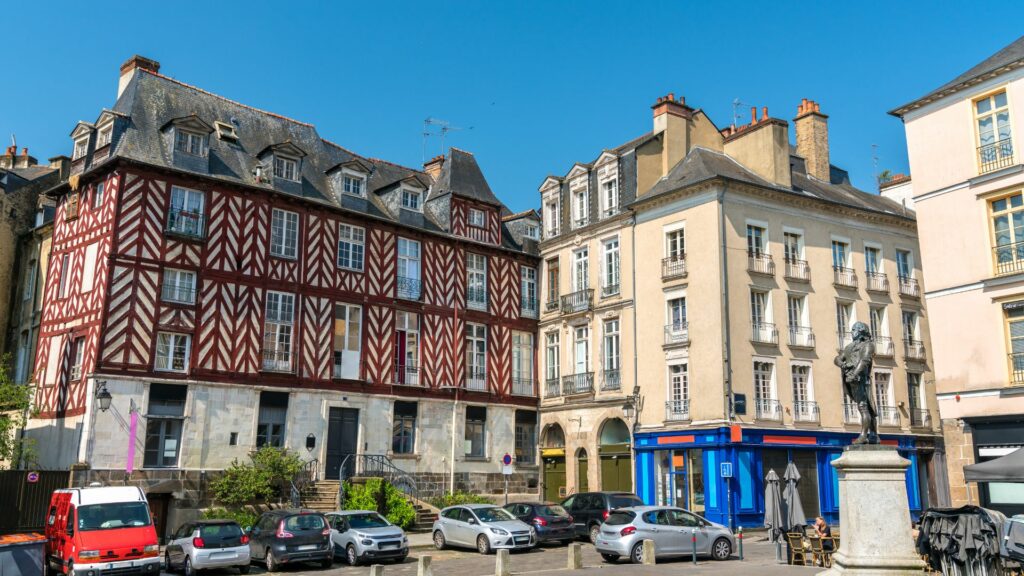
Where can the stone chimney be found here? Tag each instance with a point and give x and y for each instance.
(433, 167)
(62, 164)
(670, 118)
(812, 139)
(11, 158)
(762, 147)
(130, 66)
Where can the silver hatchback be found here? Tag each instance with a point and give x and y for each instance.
(671, 529)
(362, 535)
(482, 526)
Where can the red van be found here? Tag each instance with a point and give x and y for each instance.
(101, 531)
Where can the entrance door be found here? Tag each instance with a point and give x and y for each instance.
(554, 478)
(582, 472)
(159, 504)
(342, 441)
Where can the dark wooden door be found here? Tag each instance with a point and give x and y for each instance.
(342, 441)
(159, 504)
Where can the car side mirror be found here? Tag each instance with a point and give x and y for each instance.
(472, 521)
(247, 529)
(701, 524)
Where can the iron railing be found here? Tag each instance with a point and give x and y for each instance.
(845, 277)
(995, 155)
(178, 293)
(522, 386)
(308, 475)
(553, 387)
(909, 287)
(336, 365)
(476, 298)
(801, 337)
(578, 301)
(609, 290)
(806, 411)
(883, 346)
(552, 303)
(851, 413)
(764, 332)
(476, 378)
(760, 263)
(380, 466)
(673, 267)
(550, 233)
(580, 222)
(913, 349)
(920, 418)
(279, 361)
(186, 223)
(766, 409)
(677, 333)
(1017, 367)
(611, 379)
(582, 383)
(888, 416)
(677, 409)
(877, 281)
(844, 339)
(407, 374)
(797, 269)
(1009, 258)
(409, 288)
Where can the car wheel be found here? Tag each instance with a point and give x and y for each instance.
(350, 555)
(439, 542)
(483, 545)
(326, 563)
(595, 532)
(721, 549)
(636, 555)
(188, 571)
(167, 562)
(610, 558)
(243, 569)
(70, 568)
(272, 565)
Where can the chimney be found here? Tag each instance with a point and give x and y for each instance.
(762, 147)
(433, 167)
(129, 67)
(812, 139)
(671, 117)
(62, 164)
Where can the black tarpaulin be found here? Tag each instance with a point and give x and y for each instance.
(1009, 468)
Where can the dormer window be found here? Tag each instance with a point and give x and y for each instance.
(286, 168)
(532, 231)
(81, 148)
(226, 131)
(476, 218)
(190, 142)
(354, 185)
(411, 199)
(105, 135)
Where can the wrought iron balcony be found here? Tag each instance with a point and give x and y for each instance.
(851, 413)
(760, 263)
(806, 412)
(552, 304)
(677, 409)
(611, 379)
(178, 293)
(582, 383)
(580, 222)
(797, 269)
(801, 337)
(476, 378)
(920, 418)
(913, 349)
(883, 346)
(1017, 367)
(765, 409)
(764, 333)
(877, 282)
(844, 277)
(888, 416)
(678, 333)
(476, 298)
(844, 339)
(996, 155)
(523, 386)
(1009, 258)
(673, 267)
(407, 374)
(186, 223)
(528, 307)
(409, 288)
(909, 287)
(278, 361)
(552, 388)
(609, 290)
(579, 301)
(550, 233)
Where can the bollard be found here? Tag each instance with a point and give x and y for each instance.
(740, 538)
(377, 570)
(423, 567)
(575, 556)
(501, 564)
(649, 554)
(694, 539)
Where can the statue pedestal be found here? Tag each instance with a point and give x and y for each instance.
(874, 515)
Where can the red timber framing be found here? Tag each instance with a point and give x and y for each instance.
(121, 315)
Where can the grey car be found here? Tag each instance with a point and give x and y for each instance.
(362, 535)
(207, 544)
(482, 526)
(671, 529)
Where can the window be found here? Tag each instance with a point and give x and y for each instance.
(793, 246)
(582, 350)
(760, 312)
(403, 429)
(551, 355)
(172, 352)
(840, 254)
(476, 218)
(611, 354)
(995, 145)
(844, 322)
(551, 218)
(677, 327)
(284, 234)
(581, 270)
(675, 244)
(186, 212)
(189, 142)
(407, 348)
(353, 185)
(526, 437)
(764, 391)
(77, 356)
(910, 326)
(580, 207)
(522, 363)
(408, 269)
(476, 281)
(917, 398)
(273, 415)
(179, 286)
(757, 240)
(873, 259)
(277, 332)
(411, 200)
(528, 291)
(905, 262)
(476, 431)
(532, 231)
(802, 392)
(29, 285)
(97, 195)
(610, 196)
(81, 148)
(164, 417)
(351, 247)
(1008, 227)
(347, 334)
(71, 206)
(65, 275)
(105, 135)
(883, 390)
(286, 168)
(476, 356)
(796, 309)
(610, 274)
(879, 322)
(552, 282)
(225, 131)
(679, 390)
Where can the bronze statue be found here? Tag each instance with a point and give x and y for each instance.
(855, 364)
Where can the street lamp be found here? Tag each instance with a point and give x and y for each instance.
(633, 406)
(628, 409)
(103, 396)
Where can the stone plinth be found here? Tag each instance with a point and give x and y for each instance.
(874, 515)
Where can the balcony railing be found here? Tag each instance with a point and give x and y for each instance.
(677, 409)
(767, 409)
(579, 301)
(336, 366)
(186, 223)
(1009, 258)
(552, 304)
(920, 418)
(764, 333)
(888, 416)
(580, 222)
(409, 288)
(883, 346)
(851, 413)
(178, 293)
(476, 378)
(1017, 367)
(806, 412)
(528, 307)
(407, 374)
(578, 383)
(678, 333)
(611, 379)
(278, 361)
(609, 290)
(760, 263)
(877, 281)
(552, 388)
(845, 277)
(801, 337)
(550, 233)
(913, 349)
(523, 386)
(843, 339)
(673, 267)
(798, 270)
(909, 287)
(995, 155)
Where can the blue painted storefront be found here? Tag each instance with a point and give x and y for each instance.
(739, 501)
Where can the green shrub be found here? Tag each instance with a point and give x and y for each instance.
(243, 516)
(376, 494)
(265, 478)
(459, 497)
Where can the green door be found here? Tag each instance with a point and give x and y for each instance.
(582, 473)
(616, 469)
(554, 478)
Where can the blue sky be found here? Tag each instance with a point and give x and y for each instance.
(542, 84)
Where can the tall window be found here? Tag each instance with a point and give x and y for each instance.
(677, 314)
(675, 244)
(793, 246)
(284, 234)
(186, 212)
(611, 267)
(351, 247)
(403, 430)
(522, 363)
(796, 309)
(910, 326)
(65, 275)
(760, 312)
(104, 136)
(476, 431)
(273, 416)
(97, 195)
(610, 196)
(190, 142)
(879, 323)
(531, 231)
(526, 436)
(905, 263)
(1008, 227)
(172, 352)
(580, 270)
(917, 401)
(347, 332)
(611, 345)
(764, 390)
(407, 348)
(678, 383)
(411, 200)
(476, 356)
(844, 321)
(164, 417)
(408, 269)
(802, 393)
(286, 168)
(353, 185)
(81, 148)
(580, 205)
(528, 290)
(872, 259)
(995, 145)
(581, 356)
(277, 331)
(29, 283)
(551, 355)
(840, 254)
(757, 240)
(77, 357)
(476, 281)
(883, 390)
(551, 219)
(179, 286)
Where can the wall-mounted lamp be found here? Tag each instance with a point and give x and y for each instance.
(103, 396)
(310, 442)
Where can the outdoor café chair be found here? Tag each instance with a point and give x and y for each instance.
(797, 554)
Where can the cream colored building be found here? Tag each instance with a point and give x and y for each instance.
(969, 197)
(744, 262)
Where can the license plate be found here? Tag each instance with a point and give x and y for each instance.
(221, 555)
(389, 545)
(522, 540)
(308, 547)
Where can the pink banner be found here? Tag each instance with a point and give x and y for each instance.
(130, 465)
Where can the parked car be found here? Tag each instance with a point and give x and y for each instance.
(550, 521)
(362, 535)
(672, 530)
(207, 544)
(290, 536)
(483, 526)
(590, 509)
(101, 528)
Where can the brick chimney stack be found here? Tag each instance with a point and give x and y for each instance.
(130, 66)
(812, 139)
(433, 167)
(671, 117)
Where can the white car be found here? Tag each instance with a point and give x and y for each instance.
(482, 526)
(207, 544)
(362, 536)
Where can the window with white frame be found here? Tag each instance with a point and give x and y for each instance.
(610, 196)
(992, 118)
(910, 325)
(764, 390)
(873, 259)
(580, 270)
(284, 234)
(611, 351)
(551, 219)
(528, 290)
(277, 331)
(840, 254)
(610, 272)
(286, 168)
(678, 391)
(844, 322)
(407, 348)
(105, 134)
(190, 142)
(179, 286)
(760, 308)
(916, 392)
(796, 310)
(476, 356)
(65, 275)
(408, 269)
(580, 202)
(186, 212)
(476, 218)
(883, 390)
(581, 356)
(531, 231)
(77, 358)
(757, 240)
(81, 148)
(351, 247)
(411, 199)
(677, 314)
(522, 363)
(675, 244)
(804, 408)
(476, 281)
(353, 184)
(551, 356)
(348, 320)
(793, 246)
(905, 262)
(879, 322)
(97, 194)
(172, 351)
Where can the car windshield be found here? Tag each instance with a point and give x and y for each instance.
(304, 522)
(373, 520)
(113, 515)
(620, 517)
(624, 500)
(219, 531)
(552, 510)
(493, 515)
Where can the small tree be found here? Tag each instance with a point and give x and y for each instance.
(15, 406)
(381, 496)
(266, 477)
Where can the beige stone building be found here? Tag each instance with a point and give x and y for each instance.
(743, 263)
(969, 196)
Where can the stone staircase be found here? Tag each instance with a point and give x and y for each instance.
(322, 496)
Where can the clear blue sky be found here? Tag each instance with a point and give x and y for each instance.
(543, 84)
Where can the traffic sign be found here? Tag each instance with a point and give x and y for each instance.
(726, 469)
(32, 477)
(506, 462)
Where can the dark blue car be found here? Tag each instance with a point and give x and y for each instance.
(551, 521)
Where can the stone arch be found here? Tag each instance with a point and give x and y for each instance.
(615, 456)
(613, 432)
(553, 437)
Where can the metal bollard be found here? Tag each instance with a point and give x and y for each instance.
(377, 570)
(423, 567)
(501, 563)
(575, 556)
(649, 552)
(694, 538)
(740, 538)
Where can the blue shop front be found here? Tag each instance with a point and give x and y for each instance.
(719, 472)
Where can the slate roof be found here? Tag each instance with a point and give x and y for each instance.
(461, 175)
(1012, 55)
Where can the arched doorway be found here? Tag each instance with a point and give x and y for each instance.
(552, 453)
(582, 471)
(616, 464)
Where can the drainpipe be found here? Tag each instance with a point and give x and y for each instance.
(455, 414)
(636, 364)
(726, 340)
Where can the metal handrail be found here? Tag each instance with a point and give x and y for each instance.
(888, 416)
(677, 409)
(806, 411)
(278, 361)
(409, 288)
(913, 349)
(920, 417)
(553, 387)
(476, 298)
(797, 269)
(673, 267)
(760, 262)
(178, 294)
(581, 383)
(851, 413)
(476, 378)
(378, 466)
(766, 409)
(610, 290)
(1016, 367)
(309, 474)
(801, 336)
(996, 155)
(909, 287)
(764, 332)
(677, 333)
(186, 223)
(843, 276)
(877, 281)
(612, 379)
(883, 346)
(522, 386)
(578, 301)
(407, 374)
(528, 307)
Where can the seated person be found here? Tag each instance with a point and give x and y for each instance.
(823, 530)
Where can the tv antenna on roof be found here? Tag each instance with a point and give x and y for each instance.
(446, 127)
(736, 111)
